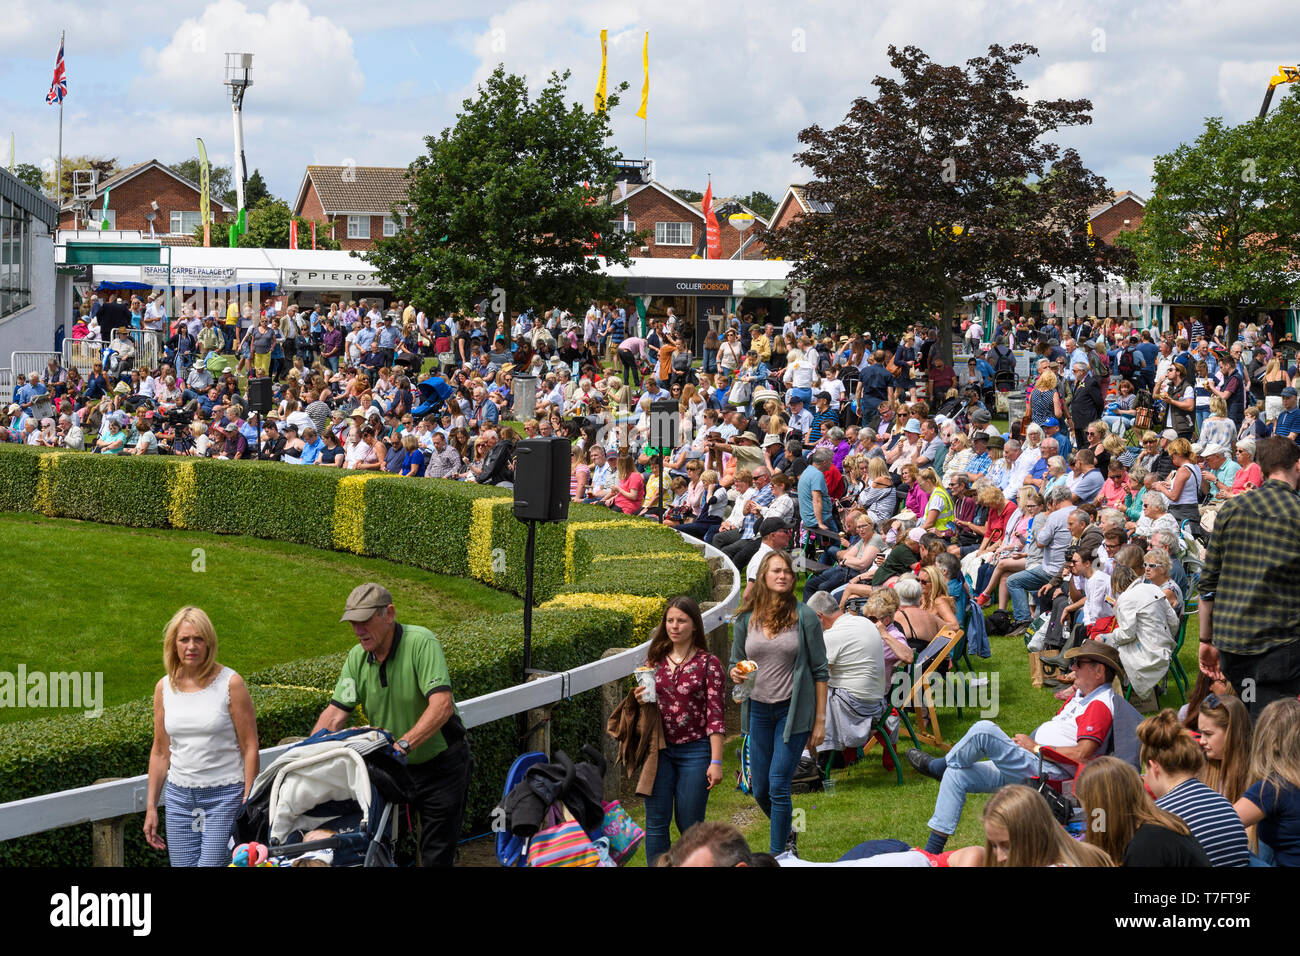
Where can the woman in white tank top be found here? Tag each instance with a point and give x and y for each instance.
(204, 746)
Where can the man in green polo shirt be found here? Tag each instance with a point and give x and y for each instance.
(398, 674)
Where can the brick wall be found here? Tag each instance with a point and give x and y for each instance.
(788, 214)
(1110, 223)
(650, 206)
(131, 202)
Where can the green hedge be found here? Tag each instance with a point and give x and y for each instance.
(428, 524)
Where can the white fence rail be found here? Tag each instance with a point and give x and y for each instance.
(106, 801)
(23, 364)
(6, 386)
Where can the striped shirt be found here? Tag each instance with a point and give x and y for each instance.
(1288, 423)
(1252, 568)
(1211, 819)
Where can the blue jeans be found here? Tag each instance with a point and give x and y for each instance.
(681, 783)
(1019, 584)
(772, 763)
(709, 361)
(1007, 762)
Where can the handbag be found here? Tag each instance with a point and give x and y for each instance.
(623, 833)
(562, 842)
(739, 394)
(1061, 808)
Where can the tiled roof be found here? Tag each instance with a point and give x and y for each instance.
(359, 189)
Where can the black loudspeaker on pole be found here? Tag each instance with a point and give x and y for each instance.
(541, 494)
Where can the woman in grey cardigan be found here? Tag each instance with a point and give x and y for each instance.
(786, 708)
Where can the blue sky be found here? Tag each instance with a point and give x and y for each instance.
(732, 82)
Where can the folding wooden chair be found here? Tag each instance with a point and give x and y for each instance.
(921, 699)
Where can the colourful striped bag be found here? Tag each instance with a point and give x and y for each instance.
(562, 843)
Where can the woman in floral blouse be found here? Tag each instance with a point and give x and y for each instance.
(688, 688)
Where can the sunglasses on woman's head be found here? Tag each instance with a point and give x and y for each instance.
(1212, 701)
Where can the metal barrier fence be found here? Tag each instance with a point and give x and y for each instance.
(23, 364)
(84, 353)
(119, 798)
(6, 385)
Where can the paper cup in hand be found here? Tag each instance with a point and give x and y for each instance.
(645, 677)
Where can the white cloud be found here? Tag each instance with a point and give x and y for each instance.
(301, 63)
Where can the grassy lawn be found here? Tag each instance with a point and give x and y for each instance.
(868, 804)
(97, 597)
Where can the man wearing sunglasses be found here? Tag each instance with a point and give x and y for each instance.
(986, 759)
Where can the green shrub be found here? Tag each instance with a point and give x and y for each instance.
(427, 524)
(18, 476)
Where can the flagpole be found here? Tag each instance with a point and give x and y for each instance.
(58, 174)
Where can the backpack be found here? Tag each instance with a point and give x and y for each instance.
(998, 623)
(977, 631)
(1126, 364)
(1004, 360)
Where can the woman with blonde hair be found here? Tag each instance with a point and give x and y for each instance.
(1218, 428)
(204, 746)
(879, 496)
(1273, 801)
(1020, 831)
(1127, 824)
(786, 707)
(1045, 401)
(1275, 379)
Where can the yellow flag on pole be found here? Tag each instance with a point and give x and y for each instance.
(604, 63)
(645, 83)
(205, 208)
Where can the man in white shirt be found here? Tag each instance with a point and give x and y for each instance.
(800, 417)
(776, 537)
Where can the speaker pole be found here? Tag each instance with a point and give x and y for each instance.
(528, 598)
(659, 505)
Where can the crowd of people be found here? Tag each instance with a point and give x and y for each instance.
(1148, 469)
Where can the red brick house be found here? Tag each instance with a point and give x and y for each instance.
(675, 228)
(358, 200)
(133, 193)
(1122, 214)
(795, 203)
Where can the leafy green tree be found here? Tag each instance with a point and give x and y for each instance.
(511, 204)
(255, 191)
(760, 202)
(219, 181)
(31, 175)
(929, 191)
(268, 228)
(1222, 226)
(104, 165)
(690, 195)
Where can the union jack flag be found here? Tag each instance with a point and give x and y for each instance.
(59, 88)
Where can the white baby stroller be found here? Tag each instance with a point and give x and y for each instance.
(346, 783)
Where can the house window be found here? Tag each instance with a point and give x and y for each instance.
(673, 234)
(616, 225)
(391, 226)
(358, 227)
(15, 258)
(184, 223)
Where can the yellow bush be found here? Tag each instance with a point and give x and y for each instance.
(47, 465)
(479, 550)
(645, 612)
(181, 487)
(350, 512)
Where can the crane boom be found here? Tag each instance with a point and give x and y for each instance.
(1285, 74)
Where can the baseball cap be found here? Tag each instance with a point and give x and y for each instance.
(772, 525)
(981, 415)
(1289, 392)
(364, 601)
(916, 534)
(1169, 434)
(1051, 423)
